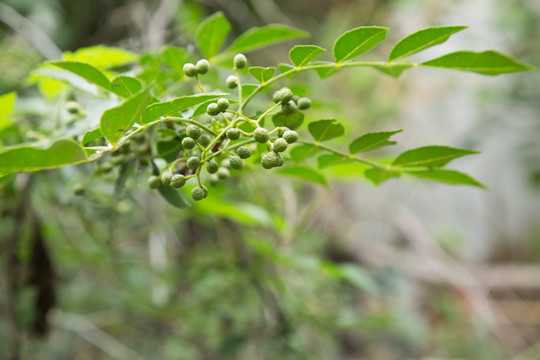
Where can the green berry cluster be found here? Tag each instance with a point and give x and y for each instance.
(211, 151)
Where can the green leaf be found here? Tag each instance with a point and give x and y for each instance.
(301, 55)
(91, 136)
(422, 40)
(286, 67)
(30, 158)
(262, 74)
(102, 56)
(86, 71)
(394, 69)
(115, 121)
(372, 141)
(292, 121)
(431, 156)
(303, 172)
(487, 62)
(327, 160)
(7, 105)
(157, 110)
(211, 34)
(259, 37)
(125, 86)
(172, 196)
(302, 152)
(248, 89)
(322, 130)
(447, 176)
(168, 149)
(378, 176)
(357, 41)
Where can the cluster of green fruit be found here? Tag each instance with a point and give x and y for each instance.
(215, 150)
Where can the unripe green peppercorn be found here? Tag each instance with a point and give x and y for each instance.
(212, 166)
(153, 182)
(188, 143)
(290, 136)
(212, 109)
(268, 160)
(233, 134)
(190, 70)
(304, 103)
(193, 163)
(178, 180)
(166, 178)
(197, 193)
(288, 107)
(223, 173)
(280, 145)
(240, 61)
(205, 140)
(205, 189)
(202, 66)
(286, 95)
(244, 152)
(223, 104)
(282, 131)
(231, 81)
(236, 162)
(261, 135)
(276, 96)
(193, 131)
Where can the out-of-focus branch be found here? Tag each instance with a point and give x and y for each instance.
(30, 32)
(159, 21)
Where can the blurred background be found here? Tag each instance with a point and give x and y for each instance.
(273, 268)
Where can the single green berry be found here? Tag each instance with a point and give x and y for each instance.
(166, 178)
(280, 145)
(304, 103)
(178, 180)
(289, 107)
(78, 189)
(290, 136)
(212, 166)
(240, 61)
(188, 143)
(205, 140)
(153, 182)
(261, 135)
(197, 193)
(202, 66)
(214, 180)
(223, 173)
(190, 70)
(225, 163)
(236, 162)
(286, 95)
(193, 162)
(231, 81)
(282, 131)
(276, 96)
(193, 131)
(244, 152)
(205, 189)
(223, 104)
(233, 134)
(212, 109)
(268, 160)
